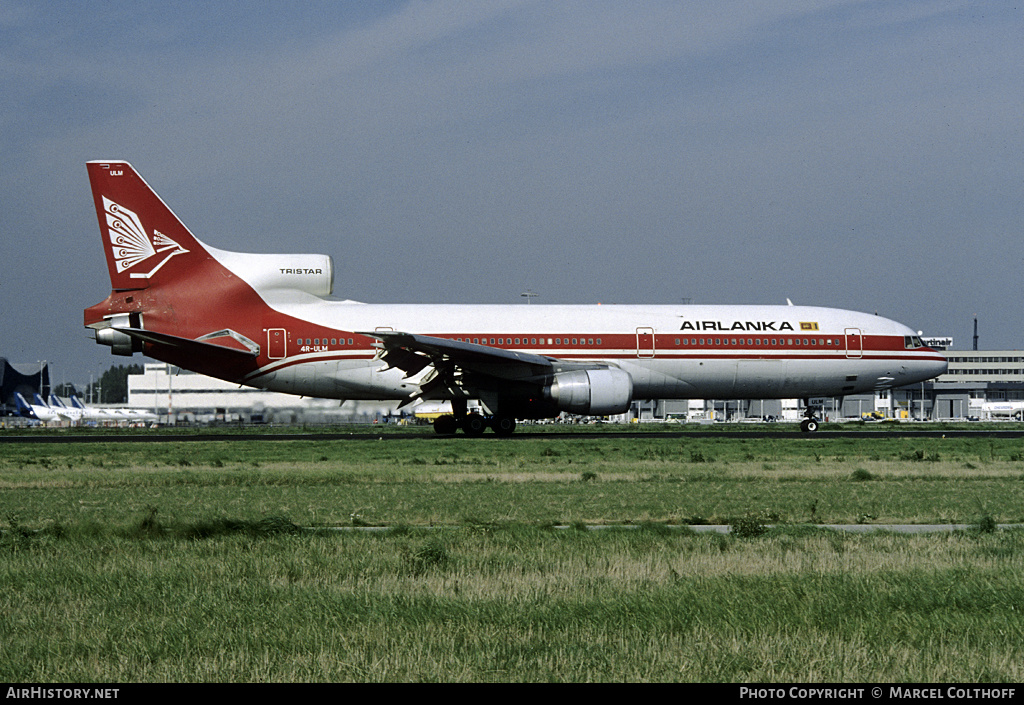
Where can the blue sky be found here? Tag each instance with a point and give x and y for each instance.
(855, 154)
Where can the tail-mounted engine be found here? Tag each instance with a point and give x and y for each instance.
(120, 343)
(313, 274)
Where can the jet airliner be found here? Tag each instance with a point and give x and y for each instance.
(266, 321)
(38, 409)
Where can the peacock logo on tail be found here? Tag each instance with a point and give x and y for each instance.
(132, 245)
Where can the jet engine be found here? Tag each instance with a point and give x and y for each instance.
(120, 343)
(591, 392)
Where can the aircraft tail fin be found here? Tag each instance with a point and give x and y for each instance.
(24, 408)
(176, 298)
(143, 240)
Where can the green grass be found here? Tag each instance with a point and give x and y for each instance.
(186, 561)
(510, 603)
(437, 481)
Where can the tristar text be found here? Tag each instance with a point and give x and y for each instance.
(737, 325)
(301, 271)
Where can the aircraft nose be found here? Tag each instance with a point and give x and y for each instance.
(920, 370)
(929, 368)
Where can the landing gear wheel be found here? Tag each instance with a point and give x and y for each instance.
(809, 425)
(474, 425)
(503, 425)
(445, 425)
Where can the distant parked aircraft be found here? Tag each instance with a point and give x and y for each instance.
(105, 414)
(36, 409)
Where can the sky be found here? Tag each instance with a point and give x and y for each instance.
(843, 153)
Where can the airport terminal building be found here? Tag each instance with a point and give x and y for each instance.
(977, 385)
(187, 397)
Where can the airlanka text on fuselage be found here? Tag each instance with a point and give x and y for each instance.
(264, 321)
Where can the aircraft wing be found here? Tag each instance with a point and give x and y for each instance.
(458, 367)
(411, 353)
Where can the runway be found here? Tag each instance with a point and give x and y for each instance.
(387, 433)
(718, 528)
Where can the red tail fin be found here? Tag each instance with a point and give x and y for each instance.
(144, 241)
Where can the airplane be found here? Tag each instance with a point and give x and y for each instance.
(265, 321)
(37, 409)
(129, 414)
(65, 412)
(90, 413)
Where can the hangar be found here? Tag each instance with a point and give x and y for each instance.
(28, 383)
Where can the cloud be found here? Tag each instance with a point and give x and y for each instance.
(833, 152)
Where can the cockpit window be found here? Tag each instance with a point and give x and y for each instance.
(912, 341)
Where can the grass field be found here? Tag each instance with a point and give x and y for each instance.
(185, 561)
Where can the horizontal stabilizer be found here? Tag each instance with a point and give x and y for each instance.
(194, 347)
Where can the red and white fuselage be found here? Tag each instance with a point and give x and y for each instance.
(264, 321)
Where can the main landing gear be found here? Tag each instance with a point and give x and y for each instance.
(472, 424)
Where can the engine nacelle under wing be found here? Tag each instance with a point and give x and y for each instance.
(591, 392)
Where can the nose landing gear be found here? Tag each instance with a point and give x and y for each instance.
(811, 419)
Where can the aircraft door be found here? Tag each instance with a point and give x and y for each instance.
(645, 342)
(854, 343)
(277, 345)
